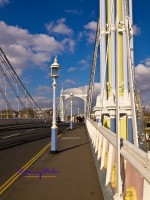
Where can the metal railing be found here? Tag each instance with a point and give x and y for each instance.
(134, 164)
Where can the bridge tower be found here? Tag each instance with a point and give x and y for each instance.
(117, 69)
(63, 97)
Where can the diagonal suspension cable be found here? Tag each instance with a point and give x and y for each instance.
(14, 75)
(92, 77)
(128, 27)
(11, 86)
(6, 101)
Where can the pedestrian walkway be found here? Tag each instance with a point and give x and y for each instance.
(68, 175)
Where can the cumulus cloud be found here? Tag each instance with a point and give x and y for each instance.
(72, 69)
(59, 27)
(75, 12)
(43, 90)
(69, 44)
(76, 90)
(137, 30)
(142, 74)
(80, 35)
(69, 81)
(147, 62)
(84, 64)
(4, 2)
(43, 102)
(90, 31)
(25, 50)
(91, 26)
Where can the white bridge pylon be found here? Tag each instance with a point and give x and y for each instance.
(63, 97)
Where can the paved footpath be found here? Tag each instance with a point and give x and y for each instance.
(68, 175)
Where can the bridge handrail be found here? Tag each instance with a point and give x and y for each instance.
(135, 165)
(137, 158)
(109, 135)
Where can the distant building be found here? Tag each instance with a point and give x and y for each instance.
(43, 113)
(147, 119)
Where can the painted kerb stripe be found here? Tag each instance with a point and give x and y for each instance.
(13, 178)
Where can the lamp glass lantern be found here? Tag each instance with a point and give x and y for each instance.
(55, 69)
(71, 96)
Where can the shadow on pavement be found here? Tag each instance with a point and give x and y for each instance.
(60, 151)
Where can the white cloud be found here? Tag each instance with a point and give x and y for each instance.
(43, 102)
(90, 37)
(43, 90)
(75, 12)
(4, 2)
(59, 27)
(78, 90)
(91, 26)
(137, 30)
(69, 81)
(69, 44)
(80, 35)
(72, 69)
(40, 57)
(84, 63)
(142, 74)
(25, 50)
(90, 31)
(43, 42)
(147, 62)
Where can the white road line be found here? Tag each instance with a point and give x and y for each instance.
(70, 138)
(30, 130)
(10, 136)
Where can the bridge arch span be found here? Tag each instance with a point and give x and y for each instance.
(64, 97)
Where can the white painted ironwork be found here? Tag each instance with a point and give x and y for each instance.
(63, 97)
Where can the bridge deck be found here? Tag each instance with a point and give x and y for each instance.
(75, 175)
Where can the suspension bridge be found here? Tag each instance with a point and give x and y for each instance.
(120, 169)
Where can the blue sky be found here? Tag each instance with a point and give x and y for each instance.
(33, 32)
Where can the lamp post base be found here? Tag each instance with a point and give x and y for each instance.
(54, 152)
(54, 146)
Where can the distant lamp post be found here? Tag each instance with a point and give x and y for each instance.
(55, 70)
(71, 121)
(78, 111)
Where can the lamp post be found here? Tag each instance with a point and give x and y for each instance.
(71, 122)
(55, 70)
(78, 112)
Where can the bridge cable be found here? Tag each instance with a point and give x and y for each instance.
(7, 102)
(11, 86)
(92, 77)
(13, 73)
(130, 69)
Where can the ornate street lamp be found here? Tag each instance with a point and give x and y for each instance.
(71, 121)
(55, 70)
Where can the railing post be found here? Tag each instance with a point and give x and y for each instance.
(111, 158)
(148, 160)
